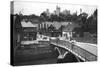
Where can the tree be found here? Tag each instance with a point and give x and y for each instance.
(92, 22)
(44, 16)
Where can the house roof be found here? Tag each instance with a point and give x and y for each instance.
(70, 27)
(28, 24)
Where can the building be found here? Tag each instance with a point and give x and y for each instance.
(47, 12)
(67, 32)
(57, 11)
(29, 30)
(66, 12)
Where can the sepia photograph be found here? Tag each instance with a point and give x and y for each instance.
(52, 33)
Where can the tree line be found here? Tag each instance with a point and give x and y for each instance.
(87, 24)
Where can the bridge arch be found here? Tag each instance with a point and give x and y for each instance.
(56, 48)
(62, 52)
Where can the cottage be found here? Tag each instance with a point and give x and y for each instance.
(67, 32)
(29, 30)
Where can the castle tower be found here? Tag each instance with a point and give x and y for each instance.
(80, 10)
(57, 10)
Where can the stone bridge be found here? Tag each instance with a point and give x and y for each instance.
(84, 51)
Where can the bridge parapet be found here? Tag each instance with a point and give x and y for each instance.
(86, 53)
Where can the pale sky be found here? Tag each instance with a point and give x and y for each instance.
(37, 8)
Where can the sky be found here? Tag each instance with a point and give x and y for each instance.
(27, 8)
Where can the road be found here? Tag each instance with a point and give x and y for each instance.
(92, 48)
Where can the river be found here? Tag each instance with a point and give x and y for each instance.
(40, 55)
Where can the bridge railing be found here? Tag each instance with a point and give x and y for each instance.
(81, 52)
